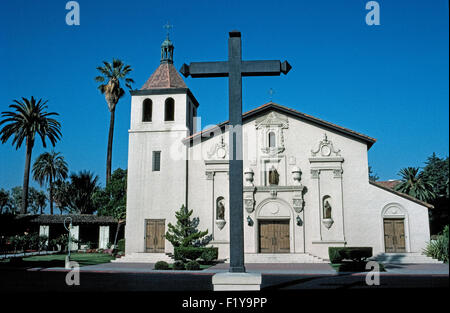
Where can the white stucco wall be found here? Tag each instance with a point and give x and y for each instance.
(155, 194)
(356, 205)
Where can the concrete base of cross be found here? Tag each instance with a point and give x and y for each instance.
(236, 281)
(67, 263)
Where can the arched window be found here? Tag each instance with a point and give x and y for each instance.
(147, 108)
(169, 110)
(271, 140)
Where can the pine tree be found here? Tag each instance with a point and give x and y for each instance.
(185, 232)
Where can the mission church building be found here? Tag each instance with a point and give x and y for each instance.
(306, 185)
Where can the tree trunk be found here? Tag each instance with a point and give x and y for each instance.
(26, 178)
(117, 233)
(51, 194)
(110, 142)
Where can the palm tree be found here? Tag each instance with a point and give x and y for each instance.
(61, 195)
(4, 199)
(81, 190)
(41, 201)
(28, 119)
(47, 168)
(111, 75)
(414, 184)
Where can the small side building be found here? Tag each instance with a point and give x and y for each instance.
(98, 231)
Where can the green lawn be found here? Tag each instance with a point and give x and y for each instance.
(58, 260)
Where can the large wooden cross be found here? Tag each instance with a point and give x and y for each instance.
(234, 69)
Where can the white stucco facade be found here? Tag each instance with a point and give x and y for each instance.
(323, 195)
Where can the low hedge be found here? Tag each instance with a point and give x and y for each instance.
(210, 254)
(179, 266)
(161, 265)
(192, 266)
(355, 254)
(207, 254)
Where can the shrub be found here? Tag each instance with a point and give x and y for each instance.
(161, 265)
(179, 266)
(438, 248)
(121, 245)
(355, 254)
(192, 266)
(334, 255)
(187, 253)
(43, 242)
(185, 233)
(210, 254)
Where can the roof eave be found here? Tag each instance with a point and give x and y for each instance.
(403, 195)
(368, 140)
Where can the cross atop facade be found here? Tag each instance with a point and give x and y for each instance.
(235, 68)
(168, 27)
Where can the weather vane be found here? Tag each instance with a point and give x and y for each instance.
(168, 27)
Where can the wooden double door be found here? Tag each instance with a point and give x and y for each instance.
(274, 236)
(154, 236)
(394, 235)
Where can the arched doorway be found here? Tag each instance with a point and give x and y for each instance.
(274, 227)
(395, 228)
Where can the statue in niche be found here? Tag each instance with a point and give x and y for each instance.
(274, 177)
(327, 209)
(221, 210)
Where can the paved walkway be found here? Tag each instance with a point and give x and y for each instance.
(285, 268)
(279, 268)
(264, 268)
(418, 269)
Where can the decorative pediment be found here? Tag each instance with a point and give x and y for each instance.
(325, 148)
(270, 128)
(272, 119)
(218, 150)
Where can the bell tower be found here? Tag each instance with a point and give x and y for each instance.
(162, 115)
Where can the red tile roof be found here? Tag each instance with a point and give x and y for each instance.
(165, 76)
(389, 183)
(401, 194)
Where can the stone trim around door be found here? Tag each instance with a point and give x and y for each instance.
(395, 211)
(284, 212)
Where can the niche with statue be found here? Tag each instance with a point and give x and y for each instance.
(220, 212)
(327, 219)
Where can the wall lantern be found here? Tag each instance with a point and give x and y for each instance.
(249, 221)
(299, 221)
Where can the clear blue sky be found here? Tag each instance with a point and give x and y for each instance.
(389, 81)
